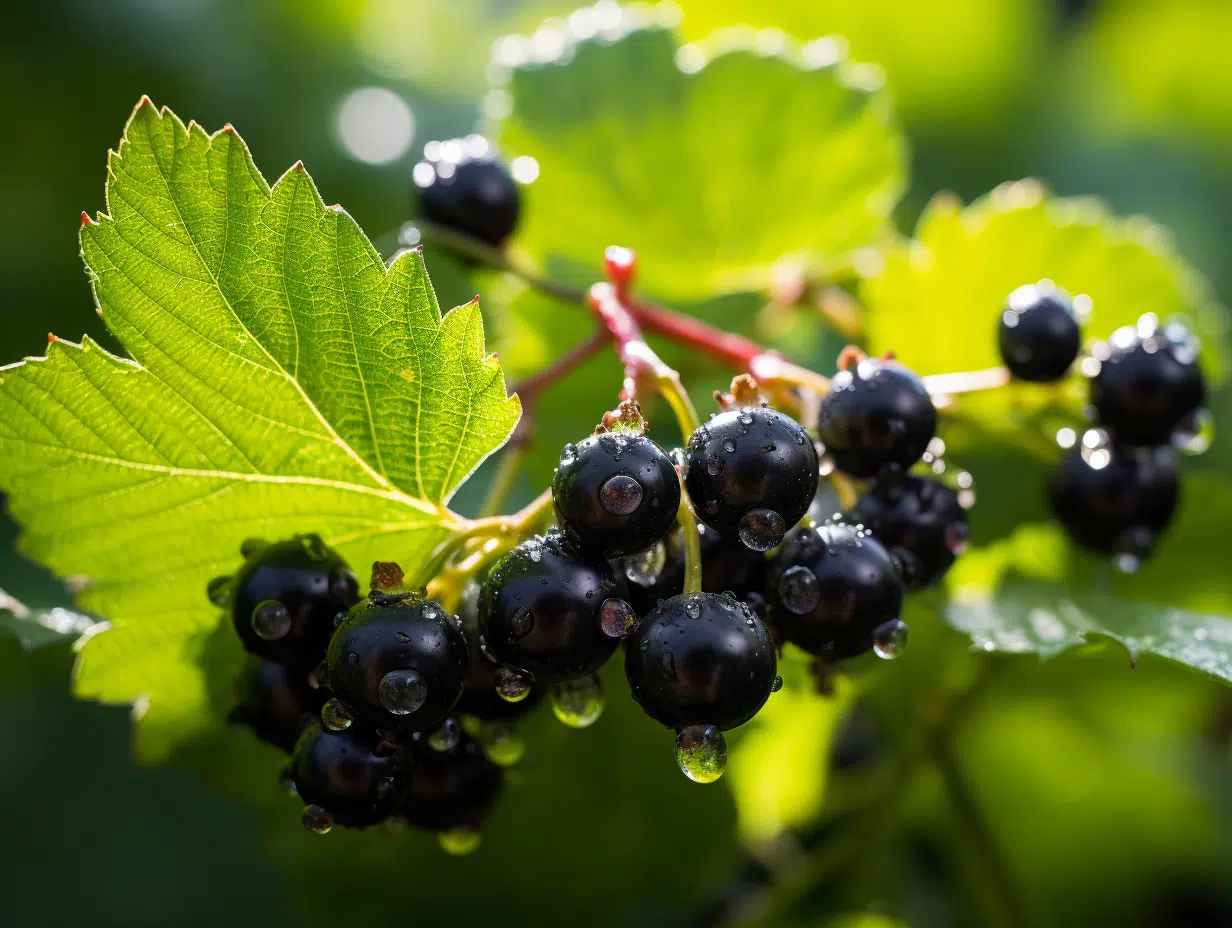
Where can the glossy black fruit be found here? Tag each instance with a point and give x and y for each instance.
(475, 195)
(1148, 382)
(700, 659)
(451, 789)
(830, 588)
(398, 662)
(1038, 333)
(539, 610)
(751, 474)
(479, 696)
(285, 597)
(1115, 500)
(877, 417)
(615, 494)
(727, 565)
(920, 521)
(354, 775)
(276, 703)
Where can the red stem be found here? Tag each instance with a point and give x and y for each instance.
(735, 351)
(616, 317)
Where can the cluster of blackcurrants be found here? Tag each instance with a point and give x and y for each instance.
(1117, 488)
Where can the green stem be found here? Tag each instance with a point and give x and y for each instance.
(692, 544)
(503, 480)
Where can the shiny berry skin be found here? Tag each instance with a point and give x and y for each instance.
(451, 789)
(479, 696)
(615, 494)
(751, 473)
(727, 565)
(830, 588)
(475, 195)
(398, 662)
(1148, 382)
(276, 703)
(1119, 507)
(700, 659)
(304, 579)
(877, 417)
(353, 774)
(1038, 333)
(539, 610)
(920, 521)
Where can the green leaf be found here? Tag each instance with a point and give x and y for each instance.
(36, 628)
(714, 173)
(281, 380)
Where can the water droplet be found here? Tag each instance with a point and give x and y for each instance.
(799, 591)
(535, 553)
(512, 685)
(251, 546)
(677, 456)
(271, 620)
(219, 591)
(693, 609)
(621, 495)
(644, 567)
(335, 717)
(889, 639)
(714, 465)
(615, 617)
(777, 684)
(801, 437)
(402, 691)
(353, 659)
(501, 744)
(402, 637)
(578, 703)
(521, 622)
(568, 455)
(957, 536)
(762, 529)
(1195, 433)
(318, 676)
(460, 841)
(339, 618)
(447, 737)
(745, 418)
(729, 446)
(701, 752)
(285, 781)
(317, 820)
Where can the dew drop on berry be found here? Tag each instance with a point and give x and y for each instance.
(777, 684)
(521, 623)
(459, 841)
(402, 691)
(251, 546)
(219, 591)
(271, 620)
(568, 455)
(318, 675)
(500, 743)
(621, 495)
(317, 820)
(512, 685)
(644, 567)
(578, 703)
(615, 617)
(729, 446)
(714, 465)
(402, 637)
(1195, 432)
(889, 639)
(762, 529)
(745, 419)
(799, 591)
(701, 752)
(692, 609)
(447, 737)
(335, 717)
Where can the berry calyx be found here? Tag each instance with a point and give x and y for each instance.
(920, 521)
(877, 417)
(285, 597)
(351, 778)
(831, 588)
(450, 789)
(751, 474)
(276, 703)
(1038, 333)
(615, 494)
(539, 610)
(467, 189)
(1148, 382)
(727, 565)
(398, 662)
(700, 659)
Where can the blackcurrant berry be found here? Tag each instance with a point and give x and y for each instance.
(831, 588)
(876, 417)
(920, 521)
(285, 597)
(1115, 500)
(353, 775)
(727, 565)
(1038, 333)
(700, 659)
(398, 662)
(451, 789)
(479, 696)
(751, 474)
(276, 703)
(1148, 382)
(615, 494)
(539, 610)
(474, 194)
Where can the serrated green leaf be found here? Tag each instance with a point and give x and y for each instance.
(281, 380)
(714, 175)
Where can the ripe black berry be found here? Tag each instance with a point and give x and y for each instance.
(475, 194)
(540, 606)
(451, 789)
(615, 494)
(831, 589)
(700, 659)
(276, 702)
(285, 597)
(751, 474)
(727, 565)
(1148, 382)
(1115, 500)
(876, 416)
(920, 521)
(1038, 333)
(349, 778)
(398, 662)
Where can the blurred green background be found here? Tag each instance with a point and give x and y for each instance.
(1111, 792)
